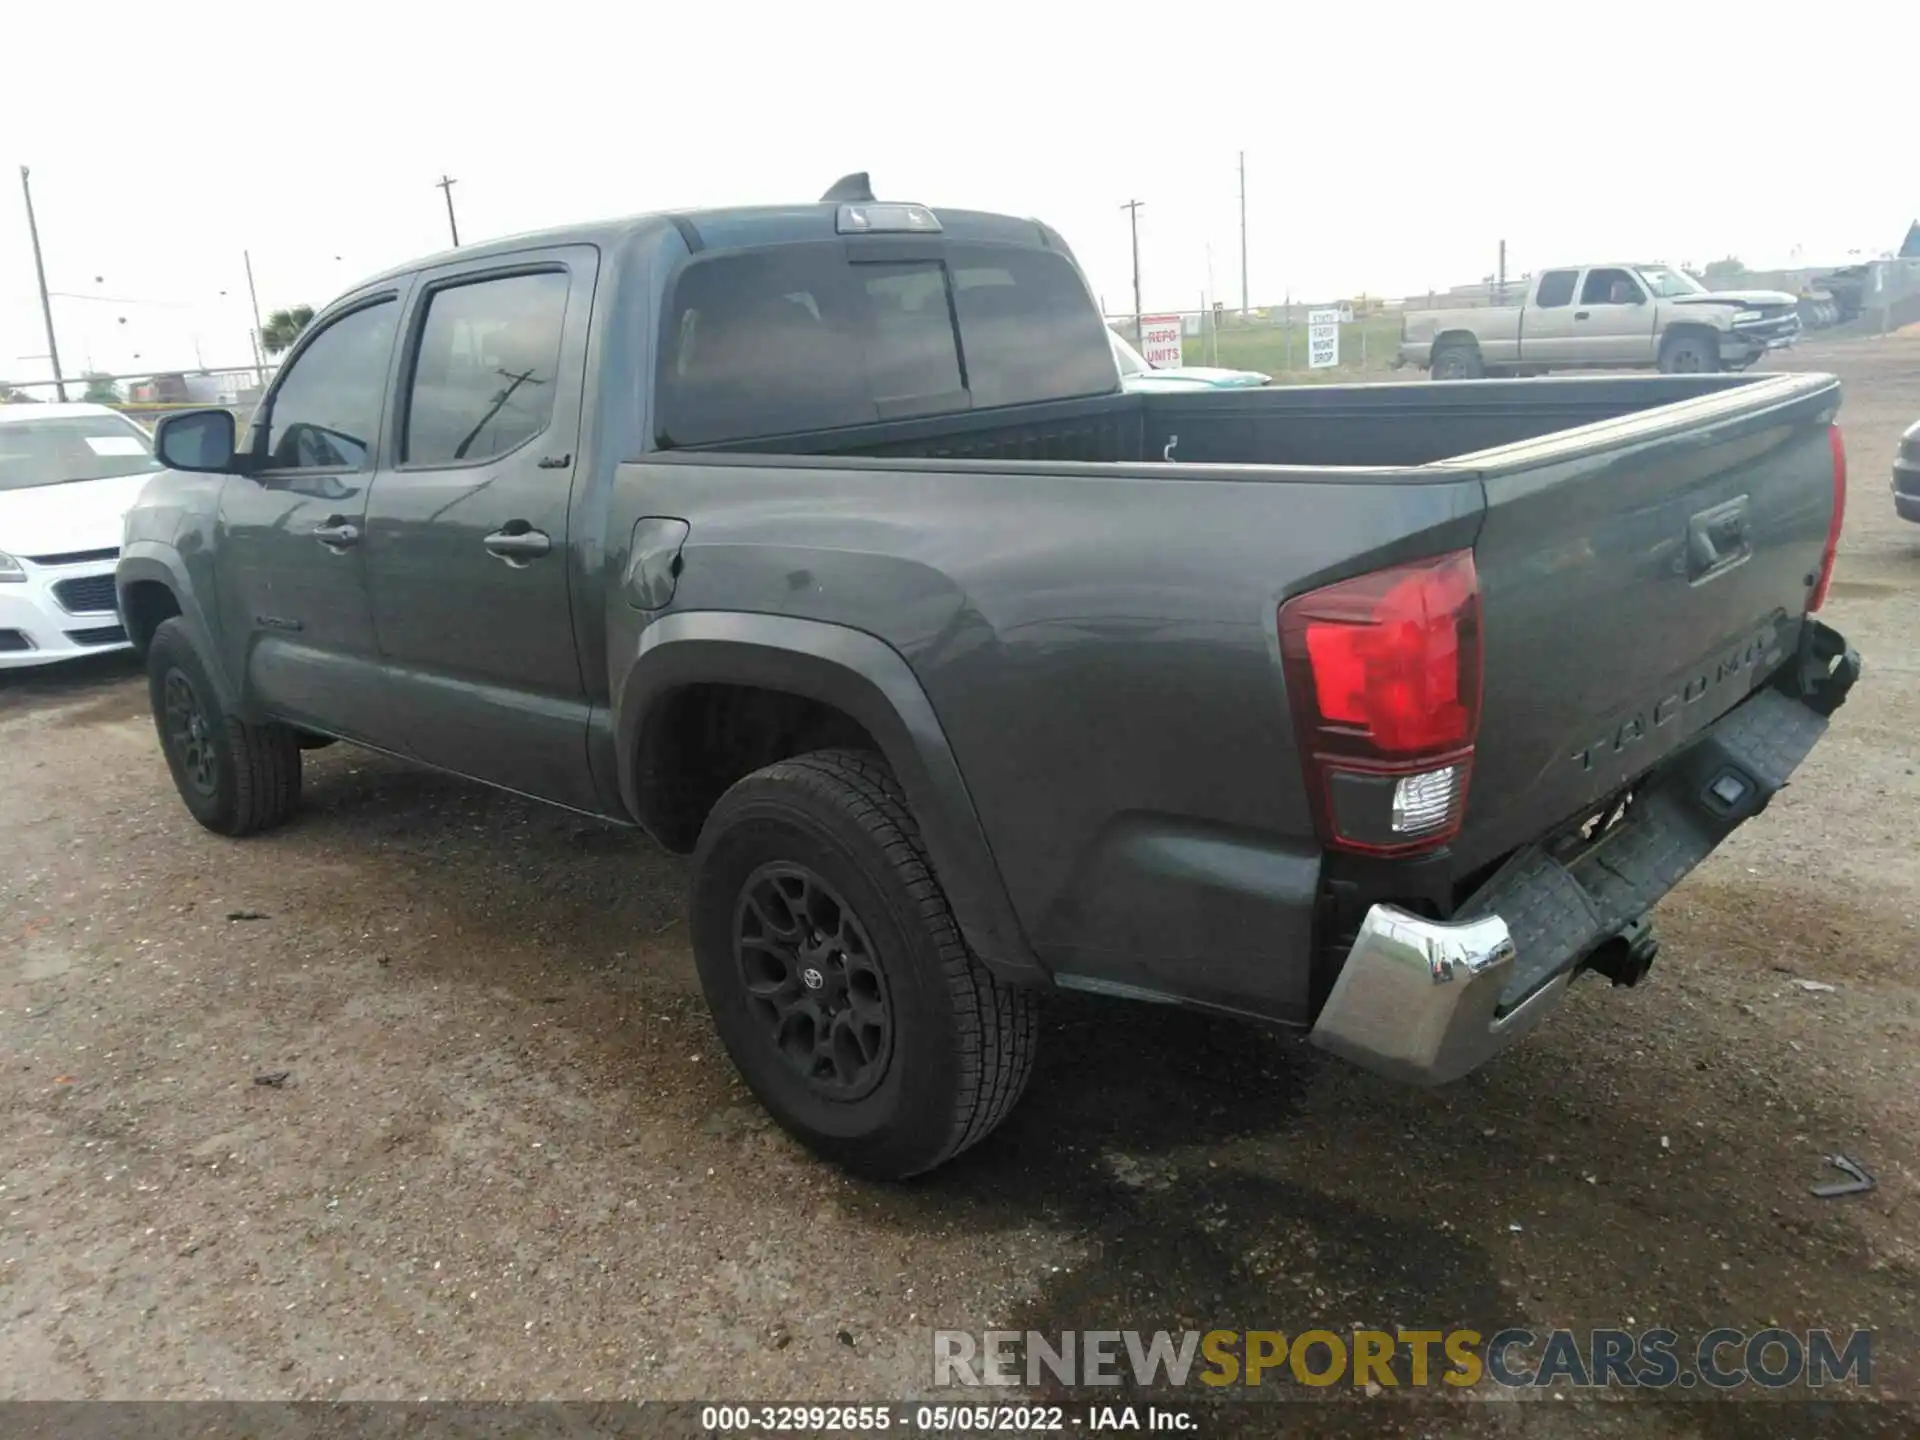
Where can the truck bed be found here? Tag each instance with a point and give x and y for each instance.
(1077, 609)
(1347, 426)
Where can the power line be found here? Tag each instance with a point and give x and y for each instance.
(125, 300)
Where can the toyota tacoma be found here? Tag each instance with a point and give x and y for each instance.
(821, 541)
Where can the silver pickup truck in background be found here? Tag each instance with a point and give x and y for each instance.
(1603, 317)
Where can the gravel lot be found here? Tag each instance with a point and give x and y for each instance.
(509, 1160)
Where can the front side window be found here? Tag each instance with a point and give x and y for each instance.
(326, 407)
(1610, 287)
(484, 379)
(38, 451)
(1556, 289)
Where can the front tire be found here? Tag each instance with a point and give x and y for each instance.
(838, 978)
(235, 778)
(1689, 355)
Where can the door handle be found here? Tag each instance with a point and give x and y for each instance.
(517, 542)
(1581, 314)
(336, 533)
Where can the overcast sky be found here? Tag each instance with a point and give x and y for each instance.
(1388, 148)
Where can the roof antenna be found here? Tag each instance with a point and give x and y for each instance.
(850, 189)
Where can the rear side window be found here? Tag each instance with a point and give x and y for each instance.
(483, 381)
(800, 338)
(1556, 289)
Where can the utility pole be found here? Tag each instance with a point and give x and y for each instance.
(1243, 235)
(40, 274)
(259, 334)
(1132, 207)
(1501, 298)
(445, 185)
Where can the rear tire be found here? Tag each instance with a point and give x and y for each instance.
(838, 978)
(1456, 360)
(1689, 355)
(235, 778)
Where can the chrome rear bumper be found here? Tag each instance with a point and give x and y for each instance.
(1426, 1000)
(1418, 1000)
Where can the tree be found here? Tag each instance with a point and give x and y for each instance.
(100, 389)
(1727, 268)
(283, 327)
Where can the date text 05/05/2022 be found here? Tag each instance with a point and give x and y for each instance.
(932, 1418)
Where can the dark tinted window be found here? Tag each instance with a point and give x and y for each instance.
(1556, 289)
(1610, 287)
(327, 405)
(484, 380)
(799, 338)
(910, 352)
(1028, 326)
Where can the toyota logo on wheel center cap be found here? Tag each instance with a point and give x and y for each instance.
(812, 978)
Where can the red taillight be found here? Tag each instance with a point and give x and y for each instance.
(1384, 676)
(1832, 552)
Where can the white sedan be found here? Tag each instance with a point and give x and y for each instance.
(67, 475)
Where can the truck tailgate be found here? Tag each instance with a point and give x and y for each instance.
(1639, 578)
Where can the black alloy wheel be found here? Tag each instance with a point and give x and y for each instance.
(188, 736)
(813, 981)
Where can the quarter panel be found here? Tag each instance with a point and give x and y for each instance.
(1098, 645)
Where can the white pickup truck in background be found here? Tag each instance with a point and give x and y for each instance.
(1603, 317)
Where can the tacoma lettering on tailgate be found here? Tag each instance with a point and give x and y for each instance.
(1633, 729)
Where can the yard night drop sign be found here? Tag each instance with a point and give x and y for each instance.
(1323, 339)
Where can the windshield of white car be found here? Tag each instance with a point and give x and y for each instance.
(1130, 360)
(1670, 284)
(64, 448)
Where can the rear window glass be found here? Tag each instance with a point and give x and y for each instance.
(799, 339)
(52, 451)
(1030, 329)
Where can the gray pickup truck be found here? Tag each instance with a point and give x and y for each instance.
(1603, 317)
(822, 541)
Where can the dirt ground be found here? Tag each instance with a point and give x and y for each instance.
(508, 1159)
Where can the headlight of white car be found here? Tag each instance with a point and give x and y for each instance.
(10, 571)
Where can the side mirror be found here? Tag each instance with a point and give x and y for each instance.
(198, 440)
